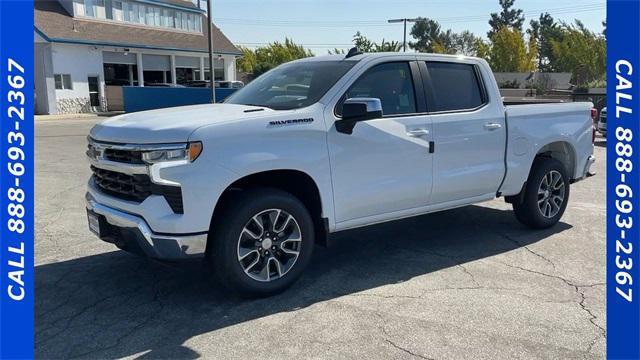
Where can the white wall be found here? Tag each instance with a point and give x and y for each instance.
(229, 67)
(80, 61)
(43, 77)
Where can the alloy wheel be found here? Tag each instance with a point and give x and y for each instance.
(269, 245)
(551, 194)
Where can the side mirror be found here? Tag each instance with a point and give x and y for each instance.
(355, 110)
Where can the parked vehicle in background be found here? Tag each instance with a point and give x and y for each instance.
(326, 144)
(151, 84)
(219, 84)
(602, 122)
(229, 84)
(197, 83)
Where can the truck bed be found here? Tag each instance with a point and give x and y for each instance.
(530, 127)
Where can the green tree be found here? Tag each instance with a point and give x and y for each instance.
(363, 43)
(431, 38)
(581, 51)
(388, 46)
(466, 43)
(545, 30)
(508, 17)
(263, 59)
(508, 52)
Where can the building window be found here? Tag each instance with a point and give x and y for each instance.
(94, 8)
(218, 70)
(179, 20)
(116, 10)
(133, 12)
(168, 18)
(141, 11)
(63, 81)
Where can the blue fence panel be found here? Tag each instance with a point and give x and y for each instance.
(148, 98)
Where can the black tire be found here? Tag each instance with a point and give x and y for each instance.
(527, 210)
(226, 235)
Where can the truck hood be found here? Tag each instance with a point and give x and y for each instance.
(172, 124)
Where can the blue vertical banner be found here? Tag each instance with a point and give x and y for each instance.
(623, 179)
(16, 185)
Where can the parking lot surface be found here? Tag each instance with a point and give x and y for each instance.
(469, 283)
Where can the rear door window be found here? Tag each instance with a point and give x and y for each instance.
(455, 87)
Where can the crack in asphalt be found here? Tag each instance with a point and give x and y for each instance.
(405, 350)
(385, 337)
(69, 319)
(125, 335)
(526, 247)
(602, 332)
(456, 261)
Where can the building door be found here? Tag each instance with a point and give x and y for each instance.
(94, 92)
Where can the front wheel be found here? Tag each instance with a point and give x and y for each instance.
(546, 194)
(262, 242)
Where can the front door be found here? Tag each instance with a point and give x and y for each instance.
(385, 165)
(94, 92)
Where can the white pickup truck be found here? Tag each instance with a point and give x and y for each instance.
(321, 145)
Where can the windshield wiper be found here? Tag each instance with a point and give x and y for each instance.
(258, 105)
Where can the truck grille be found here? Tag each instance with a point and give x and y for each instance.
(128, 187)
(136, 188)
(124, 156)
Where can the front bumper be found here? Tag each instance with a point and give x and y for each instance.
(131, 233)
(602, 128)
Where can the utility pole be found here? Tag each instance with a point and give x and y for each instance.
(405, 20)
(212, 83)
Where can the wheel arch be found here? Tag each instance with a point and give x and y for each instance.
(562, 151)
(297, 183)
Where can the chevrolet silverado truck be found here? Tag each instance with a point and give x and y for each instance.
(321, 145)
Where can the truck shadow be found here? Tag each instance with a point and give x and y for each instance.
(114, 304)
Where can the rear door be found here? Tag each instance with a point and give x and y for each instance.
(468, 129)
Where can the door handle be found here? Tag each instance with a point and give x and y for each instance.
(492, 126)
(418, 132)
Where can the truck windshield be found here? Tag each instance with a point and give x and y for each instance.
(291, 86)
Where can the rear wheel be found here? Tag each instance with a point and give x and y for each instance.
(546, 194)
(262, 242)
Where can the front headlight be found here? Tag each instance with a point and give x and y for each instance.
(187, 152)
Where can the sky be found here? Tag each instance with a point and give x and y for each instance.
(321, 25)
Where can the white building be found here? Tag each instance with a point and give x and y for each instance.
(86, 50)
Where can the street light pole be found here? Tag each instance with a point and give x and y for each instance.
(405, 20)
(404, 39)
(212, 83)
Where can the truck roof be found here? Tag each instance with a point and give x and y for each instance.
(383, 54)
